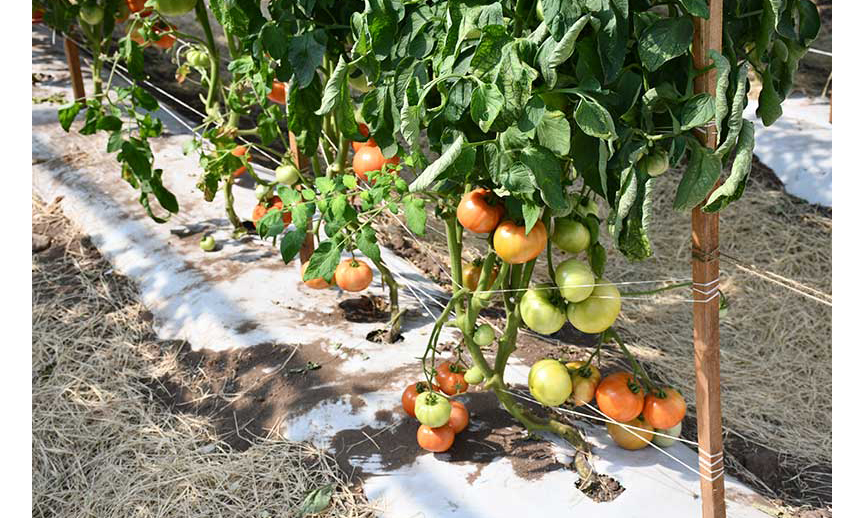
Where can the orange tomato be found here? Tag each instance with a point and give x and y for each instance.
(476, 213)
(353, 275)
(277, 94)
(631, 439)
(451, 379)
(409, 395)
(664, 412)
(166, 41)
(317, 283)
(514, 247)
(471, 273)
(617, 399)
(583, 388)
(364, 130)
(458, 416)
(435, 439)
(370, 158)
(275, 203)
(135, 5)
(239, 151)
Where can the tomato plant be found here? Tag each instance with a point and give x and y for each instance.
(665, 408)
(369, 158)
(436, 440)
(458, 417)
(620, 397)
(514, 246)
(353, 275)
(451, 378)
(479, 212)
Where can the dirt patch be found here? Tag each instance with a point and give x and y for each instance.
(365, 309)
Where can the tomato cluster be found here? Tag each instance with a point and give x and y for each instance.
(441, 419)
(368, 156)
(620, 397)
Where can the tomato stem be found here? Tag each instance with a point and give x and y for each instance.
(637, 369)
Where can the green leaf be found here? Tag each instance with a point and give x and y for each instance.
(721, 103)
(367, 244)
(486, 104)
(553, 132)
(333, 89)
(317, 500)
(534, 112)
(665, 39)
(325, 185)
(546, 170)
(699, 178)
(415, 215)
(274, 41)
(612, 40)
(733, 187)
(769, 109)
(67, 113)
(531, 212)
(430, 174)
(517, 178)
(697, 111)
(305, 53)
(564, 48)
(291, 244)
(696, 7)
(597, 259)
(324, 261)
(487, 56)
(736, 113)
(594, 119)
(115, 142)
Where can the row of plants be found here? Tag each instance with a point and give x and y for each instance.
(513, 120)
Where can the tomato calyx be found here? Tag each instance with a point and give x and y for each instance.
(634, 385)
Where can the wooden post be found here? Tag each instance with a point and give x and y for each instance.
(74, 63)
(706, 315)
(301, 162)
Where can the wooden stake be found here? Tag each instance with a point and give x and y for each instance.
(301, 162)
(74, 69)
(706, 315)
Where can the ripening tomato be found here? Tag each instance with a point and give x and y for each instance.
(166, 41)
(571, 235)
(665, 442)
(239, 152)
(353, 275)
(540, 312)
(277, 92)
(631, 439)
(451, 378)
(436, 440)
(664, 412)
(409, 395)
(458, 417)
(135, 5)
(471, 275)
(370, 158)
(584, 387)
(480, 211)
(575, 280)
(598, 312)
(549, 382)
(364, 130)
(620, 397)
(317, 283)
(174, 7)
(261, 209)
(432, 409)
(514, 247)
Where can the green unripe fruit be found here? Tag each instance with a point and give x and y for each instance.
(575, 280)
(598, 312)
(549, 382)
(484, 335)
(656, 163)
(665, 442)
(174, 7)
(208, 243)
(571, 236)
(287, 174)
(261, 191)
(91, 14)
(474, 376)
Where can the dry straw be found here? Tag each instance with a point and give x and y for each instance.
(102, 446)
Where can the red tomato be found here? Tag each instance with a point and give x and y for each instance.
(435, 439)
(239, 151)
(458, 416)
(368, 159)
(631, 439)
(135, 5)
(620, 397)
(166, 41)
(353, 275)
(514, 247)
(318, 284)
(277, 94)
(364, 130)
(409, 395)
(665, 412)
(275, 203)
(451, 379)
(476, 213)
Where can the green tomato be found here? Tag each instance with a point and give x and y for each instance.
(539, 313)
(665, 442)
(549, 382)
(174, 7)
(575, 280)
(432, 409)
(208, 243)
(91, 14)
(261, 191)
(587, 207)
(287, 174)
(484, 335)
(598, 312)
(198, 58)
(571, 236)
(474, 376)
(656, 163)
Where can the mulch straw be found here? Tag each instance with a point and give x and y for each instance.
(103, 446)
